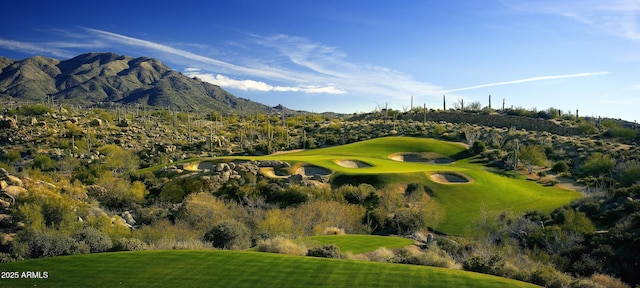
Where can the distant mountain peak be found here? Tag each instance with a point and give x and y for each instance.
(100, 78)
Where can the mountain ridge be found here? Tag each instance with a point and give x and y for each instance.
(104, 78)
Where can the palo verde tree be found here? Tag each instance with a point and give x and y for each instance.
(532, 156)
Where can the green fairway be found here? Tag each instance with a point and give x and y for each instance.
(358, 244)
(234, 269)
(481, 192)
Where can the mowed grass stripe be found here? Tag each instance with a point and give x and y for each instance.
(236, 269)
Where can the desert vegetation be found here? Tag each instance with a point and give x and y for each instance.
(479, 191)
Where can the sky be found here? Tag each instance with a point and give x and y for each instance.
(355, 56)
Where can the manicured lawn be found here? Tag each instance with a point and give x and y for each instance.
(235, 269)
(490, 194)
(358, 244)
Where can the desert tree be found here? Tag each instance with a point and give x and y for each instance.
(471, 135)
(531, 156)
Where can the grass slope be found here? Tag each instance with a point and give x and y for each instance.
(235, 269)
(357, 244)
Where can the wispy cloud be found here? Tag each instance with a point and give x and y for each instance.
(531, 79)
(617, 17)
(252, 85)
(34, 48)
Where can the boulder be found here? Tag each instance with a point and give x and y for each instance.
(15, 191)
(13, 180)
(222, 167)
(295, 179)
(126, 215)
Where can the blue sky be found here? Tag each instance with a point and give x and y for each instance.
(355, 56)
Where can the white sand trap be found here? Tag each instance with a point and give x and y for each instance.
(424, 157)
(450, 178)
(311, 170)
(352, 164)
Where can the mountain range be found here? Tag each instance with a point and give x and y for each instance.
(106, 78)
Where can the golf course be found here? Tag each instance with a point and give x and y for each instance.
(459, 182)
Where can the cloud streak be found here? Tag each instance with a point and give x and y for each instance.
(617, 17)
(34, 48)
(531, 79)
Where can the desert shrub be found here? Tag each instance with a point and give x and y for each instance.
(433, 256)
(325, 251)
(6, 258)
(381, 255)
(10, 157)
(560, 167)
(230, 235)
(598, 164)
(608, 281)
(45, 244)
(333, 231)
(630, 176)
(203, 211)
(311, 217)
(31, 110)
(282, 246)
(488, 265)
(129, 244)
(44, 163)
(547, 276)
(175, 244)
(94, 238)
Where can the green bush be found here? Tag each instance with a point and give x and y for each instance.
(325, 251)
(31, 110)
(230, 235)
(94, 238)
(630, 176)
(477, 263)
(478, 147)
(560, 167)
(44, 163)
(47, 244)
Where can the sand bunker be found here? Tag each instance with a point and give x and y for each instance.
(425, 157)
(352, 164)
(450, 178)
(311, 170)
